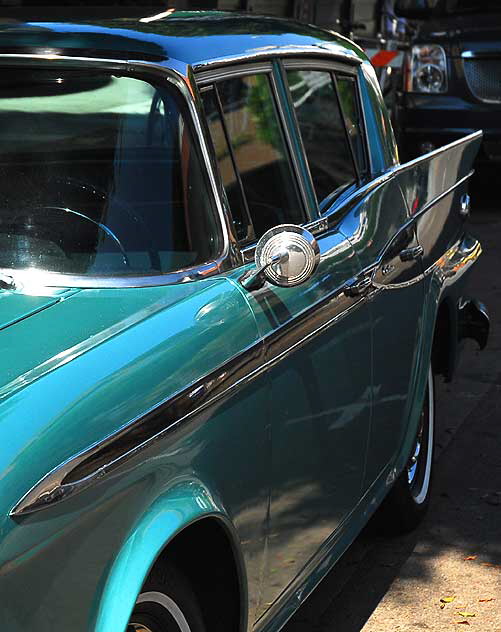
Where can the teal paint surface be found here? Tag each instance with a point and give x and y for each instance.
(15, 307)
(191, 37)
(84, 394)
(182, 506)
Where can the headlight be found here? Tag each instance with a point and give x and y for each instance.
(427, 69)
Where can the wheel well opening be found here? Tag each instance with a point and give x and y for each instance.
(441, 350)
(204, 555)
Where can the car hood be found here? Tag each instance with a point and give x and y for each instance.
(40, 333)
(466, 32)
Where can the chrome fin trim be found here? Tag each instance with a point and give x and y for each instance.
(91, 465)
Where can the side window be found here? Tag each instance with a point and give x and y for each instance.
(323, 131)
(227, 167)
(348, 96)
(252, 137)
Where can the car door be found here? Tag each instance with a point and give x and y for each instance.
(317, 337)
(379, 225)
(390, 257)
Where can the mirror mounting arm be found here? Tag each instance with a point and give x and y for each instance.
(255, 279)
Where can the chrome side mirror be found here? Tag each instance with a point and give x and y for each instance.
(286, 255)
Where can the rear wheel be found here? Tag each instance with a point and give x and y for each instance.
(406, 504)
(166, 604)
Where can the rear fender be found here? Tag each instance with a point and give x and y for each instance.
(446, 282)
(165, 518)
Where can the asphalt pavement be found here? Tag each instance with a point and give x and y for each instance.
(447, 574)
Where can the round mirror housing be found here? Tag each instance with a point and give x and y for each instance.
(287, 255)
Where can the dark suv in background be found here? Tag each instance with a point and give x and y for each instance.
(452, 76)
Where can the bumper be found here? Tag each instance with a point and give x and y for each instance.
(424, 122)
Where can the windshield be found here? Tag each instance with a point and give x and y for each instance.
(99, 175)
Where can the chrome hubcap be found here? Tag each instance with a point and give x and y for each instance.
(412, 465)
(419, 464)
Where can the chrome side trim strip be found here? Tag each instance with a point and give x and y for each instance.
(86, 468)
(443, 195)
(408, 224)
(173, 72)
(90, 466)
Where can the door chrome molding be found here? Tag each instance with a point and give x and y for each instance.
(90, 466)
(172, 72)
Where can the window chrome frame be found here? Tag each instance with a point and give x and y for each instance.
(334, 67)
(177, 74)
(367, 174)
(205, 78)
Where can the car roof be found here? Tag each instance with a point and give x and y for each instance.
(193, 37)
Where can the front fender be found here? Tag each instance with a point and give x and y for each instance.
(181, 506)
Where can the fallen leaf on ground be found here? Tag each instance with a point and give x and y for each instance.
(461, 622)
(466, 614)
(486, 600)
(447, 599)
(470, 557)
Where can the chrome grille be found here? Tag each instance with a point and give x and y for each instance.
(484, 78)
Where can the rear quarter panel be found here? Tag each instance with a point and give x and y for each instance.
(433, 187)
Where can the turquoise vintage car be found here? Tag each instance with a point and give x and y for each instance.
(222, 304)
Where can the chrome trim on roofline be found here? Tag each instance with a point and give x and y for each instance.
(332, 50)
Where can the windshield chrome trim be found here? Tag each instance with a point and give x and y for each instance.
(177, 74)
(41, 278)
